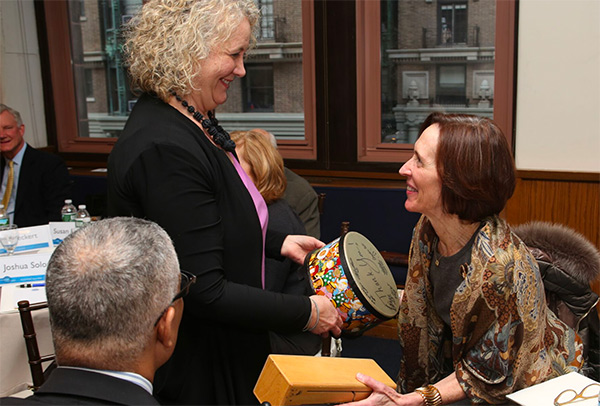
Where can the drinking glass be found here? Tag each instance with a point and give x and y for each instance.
(9, 237)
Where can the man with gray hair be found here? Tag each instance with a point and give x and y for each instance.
(34, 183)
(114, 292)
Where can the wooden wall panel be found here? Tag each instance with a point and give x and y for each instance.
(572, 202)
(569, 199)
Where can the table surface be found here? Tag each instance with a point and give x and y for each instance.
(15, 375)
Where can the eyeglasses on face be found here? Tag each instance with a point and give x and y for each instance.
(569, 396)
(185, 282)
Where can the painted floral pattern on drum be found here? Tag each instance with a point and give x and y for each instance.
(329, 280)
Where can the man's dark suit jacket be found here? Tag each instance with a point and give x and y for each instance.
(43, 187)
(303, 199)
(72, 386)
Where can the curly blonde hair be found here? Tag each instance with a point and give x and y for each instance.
(167, 38)
(265, 162)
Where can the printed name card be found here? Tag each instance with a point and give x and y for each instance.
(14, 293)
(60, 229)
(23, 268)
(31, 239)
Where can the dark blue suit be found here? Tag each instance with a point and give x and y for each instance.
(73, 386)
(43, 187)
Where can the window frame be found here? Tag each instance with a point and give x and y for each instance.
(64, 104)
(62, 85)
(368, 38)
(306, 149)
(331, 151)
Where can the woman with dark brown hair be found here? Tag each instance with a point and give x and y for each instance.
(473, 319)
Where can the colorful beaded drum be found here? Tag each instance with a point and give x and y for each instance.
(352, 274)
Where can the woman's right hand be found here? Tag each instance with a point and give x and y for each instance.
(382, 394)
(329, 319)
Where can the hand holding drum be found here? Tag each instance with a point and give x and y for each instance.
(329, 318)
(296, 247)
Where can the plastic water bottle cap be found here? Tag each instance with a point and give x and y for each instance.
(68, 201)
(81, 206)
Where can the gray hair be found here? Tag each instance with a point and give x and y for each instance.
(15, 113)
(267, 134)
(106, 285)
(272, 139)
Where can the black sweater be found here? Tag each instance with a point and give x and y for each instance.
(163, 168)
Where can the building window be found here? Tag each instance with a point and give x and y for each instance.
(82, 16)
(89, 85)
(267, 21)
(452, 23)
(258, 88)
(451, 85)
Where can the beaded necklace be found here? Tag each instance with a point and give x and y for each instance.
(211, 125)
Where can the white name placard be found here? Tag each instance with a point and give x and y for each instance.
(32, 239)
(13, 293)
(24, 268)
(60, 229)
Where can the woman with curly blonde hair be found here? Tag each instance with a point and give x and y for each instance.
(175, 165)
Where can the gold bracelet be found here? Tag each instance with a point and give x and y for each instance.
(420, 392)
(430, 395)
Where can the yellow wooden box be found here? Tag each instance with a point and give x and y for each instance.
(306, 380)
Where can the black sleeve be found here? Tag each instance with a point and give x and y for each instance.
(181, 198)
(56, 186)
(273, 244)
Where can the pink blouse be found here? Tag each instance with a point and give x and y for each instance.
(259, 203)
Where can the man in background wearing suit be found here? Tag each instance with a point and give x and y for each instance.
(114, 292)
(39, 184)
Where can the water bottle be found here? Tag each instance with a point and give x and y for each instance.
(3, 216)
(82, 218)
(68, 211)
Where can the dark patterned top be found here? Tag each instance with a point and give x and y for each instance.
(504, 337)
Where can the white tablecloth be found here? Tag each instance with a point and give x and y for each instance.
(15, 374)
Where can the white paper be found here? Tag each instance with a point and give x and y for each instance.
(544, 393)
(10, 295)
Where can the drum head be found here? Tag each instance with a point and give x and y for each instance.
(369, 276)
